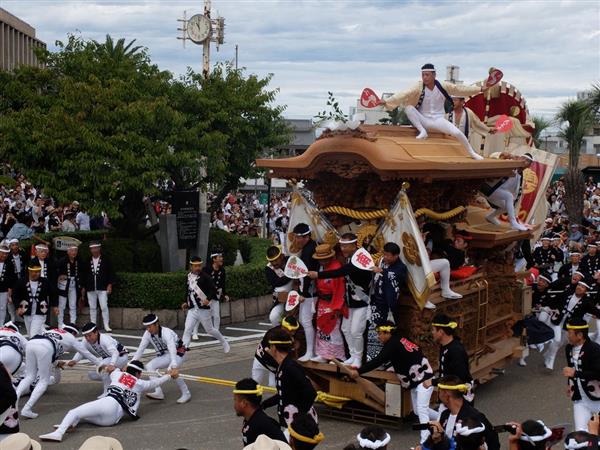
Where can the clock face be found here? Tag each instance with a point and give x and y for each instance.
(198, 28)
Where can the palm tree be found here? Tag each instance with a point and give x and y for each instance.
(574, 118)
(594, 101)
(540, 125)
(120, 51)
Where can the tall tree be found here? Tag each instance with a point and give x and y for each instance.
(239, 109)
(103, 125)
(541, 124)
(396, 116)
(575, 119)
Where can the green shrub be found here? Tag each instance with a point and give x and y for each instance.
(168, 290)
(228, 243)
(126, 255)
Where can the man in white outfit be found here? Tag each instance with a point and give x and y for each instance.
(7, 281)
(12, 347)
(424, 106)
(112, 353)
(33, 298)
(123, 398)
(170, 354)
(200, 293)
(99, 283)
(42, 353)
(503, 193)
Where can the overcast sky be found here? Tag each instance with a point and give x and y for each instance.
(548, 49)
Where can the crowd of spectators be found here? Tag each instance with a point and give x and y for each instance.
(25, 211)
(244, 214)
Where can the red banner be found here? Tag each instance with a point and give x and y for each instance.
(532, 178)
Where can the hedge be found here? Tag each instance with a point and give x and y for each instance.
(168, 290)
(126, 255)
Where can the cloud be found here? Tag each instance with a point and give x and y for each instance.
(548, 50)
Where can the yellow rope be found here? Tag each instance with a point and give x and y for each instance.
(439, 216)
(355, 214)
(381, 213)
(323, 397)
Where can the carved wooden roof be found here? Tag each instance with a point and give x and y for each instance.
(391, 152)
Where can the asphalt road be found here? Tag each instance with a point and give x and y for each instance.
(208, 422)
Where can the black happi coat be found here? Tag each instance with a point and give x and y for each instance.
(407, 359)
(588, 371)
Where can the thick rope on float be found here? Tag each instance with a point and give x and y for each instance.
(439, 216)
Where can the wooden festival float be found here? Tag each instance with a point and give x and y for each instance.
(378, 181)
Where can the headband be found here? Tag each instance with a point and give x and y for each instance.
(273, 258)
(258, 391)
(41, 247)
(289, 326)
(577, 327)
(583, 283)
(195, 262)
(4, 249)
(212, 255)
(94, 245)
(456, 387)
(366, 443)
(348, 241)
(387, 328)
(452, 325)
(154, 320)
(70, 329)
(427, 70)
(309, 440)
(281, 342)
(306, 233)
(10, 324)
(572, 444)
(466, 431)
(94, 328)
(135, 366)
(538, 438)
(545, 278)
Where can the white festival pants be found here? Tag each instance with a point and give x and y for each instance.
(215, 309)
(504, 200)
(203, 317)
(34, 324)
(560, 339)
(11, 358)
(3, 307)
(164, 362)
(103, 412)
(276, 314)
(262, 375)
(353, 328)
(307, 312)
(420, 397)
(423, 123)
(583, 411)
(95, 297)
(442, 266)
(105, 377)
(38, 363)
(62, 305)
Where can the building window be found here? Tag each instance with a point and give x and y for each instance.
(596, 131)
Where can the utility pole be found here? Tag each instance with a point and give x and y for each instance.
(202, 30)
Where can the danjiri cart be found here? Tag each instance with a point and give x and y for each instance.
(378, 181)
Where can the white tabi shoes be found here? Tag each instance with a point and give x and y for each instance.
(156, 395)
(28, 413)
(226, 347)
(184, 398)
(450, 294)
(55, 436)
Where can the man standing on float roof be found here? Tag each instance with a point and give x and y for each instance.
(424, 106)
